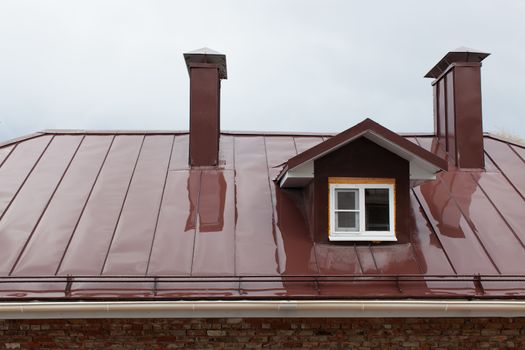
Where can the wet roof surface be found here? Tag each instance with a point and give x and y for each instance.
(121, 215)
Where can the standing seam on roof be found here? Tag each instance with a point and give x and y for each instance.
(410, 233)
(272, 201)
(9, 154)
(358, 260)
(85, 204)
(294, 145)
(504, 175)
(469, 223)
(235, 218)
(373, 257)
(46, 206)
(313, 242)
(160, 205)
(498, 211)
(122, 206)
(513, 150)
(195, 223)
(434, 230)
(418, 264)
(27, 177)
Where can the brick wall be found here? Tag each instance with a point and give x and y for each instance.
(357, 334)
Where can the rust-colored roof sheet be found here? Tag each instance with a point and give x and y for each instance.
(121, 215)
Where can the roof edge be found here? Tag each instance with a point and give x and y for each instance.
(502, 139)
(21, 138)
(223, 132)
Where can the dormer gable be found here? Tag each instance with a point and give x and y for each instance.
(298, 171)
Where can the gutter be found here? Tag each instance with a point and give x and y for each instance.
(252, 309)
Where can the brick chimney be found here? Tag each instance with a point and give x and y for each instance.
(457, 106)
(206, 68)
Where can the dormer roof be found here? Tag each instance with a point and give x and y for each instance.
(299, 170)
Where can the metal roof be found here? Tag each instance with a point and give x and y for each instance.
(121, 215)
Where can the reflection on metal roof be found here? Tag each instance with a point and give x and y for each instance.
(122, 215)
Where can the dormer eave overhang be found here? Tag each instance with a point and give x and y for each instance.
(299, 170)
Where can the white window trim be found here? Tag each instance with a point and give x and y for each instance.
(362, 234)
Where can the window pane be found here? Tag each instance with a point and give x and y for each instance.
(347, 199)
(377, 212)
(347, 221)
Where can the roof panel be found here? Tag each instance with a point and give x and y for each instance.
(297, 253)
(17, 167)
(493, 232)
(432, 145)
(20, 219)
(520, 151)
(508, 161)
(461, 244)
(395, 259)
(131, 243)
(172, 251)
(366, 259)
(303, 143)
(506, 201)
(179, 156)
(89, 245)
(214, 252)
(256, 247)
(4, 153)
(226, 160)
(337, 259)
(48, 243)
(428, 250)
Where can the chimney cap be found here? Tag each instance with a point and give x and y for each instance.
(461, 54)
(207, 55)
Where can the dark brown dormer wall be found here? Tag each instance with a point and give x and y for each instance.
(361, 158)
(457, 106)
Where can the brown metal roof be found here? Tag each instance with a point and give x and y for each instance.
(121, 215)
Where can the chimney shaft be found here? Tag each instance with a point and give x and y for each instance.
(457, 106)
(206, 68)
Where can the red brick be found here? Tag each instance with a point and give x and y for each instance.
(362, 334)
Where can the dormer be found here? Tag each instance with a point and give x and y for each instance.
(356, 184)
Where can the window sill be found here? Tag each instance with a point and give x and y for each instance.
(363, 236)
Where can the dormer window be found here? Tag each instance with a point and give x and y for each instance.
(361, 209)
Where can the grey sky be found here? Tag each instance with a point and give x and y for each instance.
(292, 65)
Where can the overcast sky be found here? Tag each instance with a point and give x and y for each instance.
(292, 65)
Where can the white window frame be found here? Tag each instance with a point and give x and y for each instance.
(362, 234)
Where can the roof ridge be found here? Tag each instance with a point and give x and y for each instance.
(21, 138)
(502, 139)
(224, 132)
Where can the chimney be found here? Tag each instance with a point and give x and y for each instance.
(457, 106)
(206, 68)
